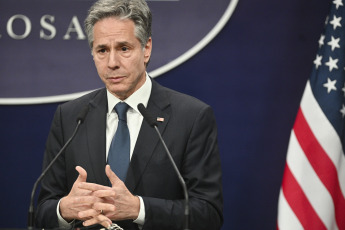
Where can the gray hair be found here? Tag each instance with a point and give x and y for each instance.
(135, 10)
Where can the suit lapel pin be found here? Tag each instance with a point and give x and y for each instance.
(160, 119)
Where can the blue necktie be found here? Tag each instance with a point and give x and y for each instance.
(118, 156)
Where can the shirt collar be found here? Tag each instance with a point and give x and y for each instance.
(141, 95)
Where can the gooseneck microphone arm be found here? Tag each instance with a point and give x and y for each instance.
(151, 121)
(31, 214)
(183, 183)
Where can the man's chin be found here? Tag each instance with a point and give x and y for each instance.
(121, 94)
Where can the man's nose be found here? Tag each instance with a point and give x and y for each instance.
(113, 60)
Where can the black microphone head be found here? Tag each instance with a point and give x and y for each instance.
(82, 114)
(147, 116)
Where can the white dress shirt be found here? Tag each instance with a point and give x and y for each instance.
(134, 120)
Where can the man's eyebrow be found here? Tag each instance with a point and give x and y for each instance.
(118, 44)
(100, 46)
(124, 43)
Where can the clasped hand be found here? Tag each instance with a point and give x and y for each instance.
(98, 204)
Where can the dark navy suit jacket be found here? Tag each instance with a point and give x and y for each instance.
(190, 132)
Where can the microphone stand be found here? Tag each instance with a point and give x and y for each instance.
(149, 119)
(31, 213)
(184, 187)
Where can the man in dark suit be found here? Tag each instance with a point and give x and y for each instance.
(82, 189)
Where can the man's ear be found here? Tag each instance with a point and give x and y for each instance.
(148, 50)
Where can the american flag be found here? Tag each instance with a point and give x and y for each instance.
(312, 194)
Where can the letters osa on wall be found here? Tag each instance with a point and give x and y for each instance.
(48, 30)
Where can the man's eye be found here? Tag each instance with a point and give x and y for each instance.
(101, 51)
(124, 48)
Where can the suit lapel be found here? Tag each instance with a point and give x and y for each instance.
(96, 136)
(148, 138)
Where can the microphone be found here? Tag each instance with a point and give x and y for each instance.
(80, 119)
(151, 121)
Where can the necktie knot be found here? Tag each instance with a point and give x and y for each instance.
(121, 110)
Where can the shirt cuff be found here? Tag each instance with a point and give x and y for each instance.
(141, 217)
(62, 222)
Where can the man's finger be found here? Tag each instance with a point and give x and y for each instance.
(104, 207)
(83, 192)
(111, 175)
(100, 219)
(104, 193)
(84, 200)
(82, 174)
(92, 186)
(88, 214)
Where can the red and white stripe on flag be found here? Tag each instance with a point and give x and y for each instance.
(312, 194)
